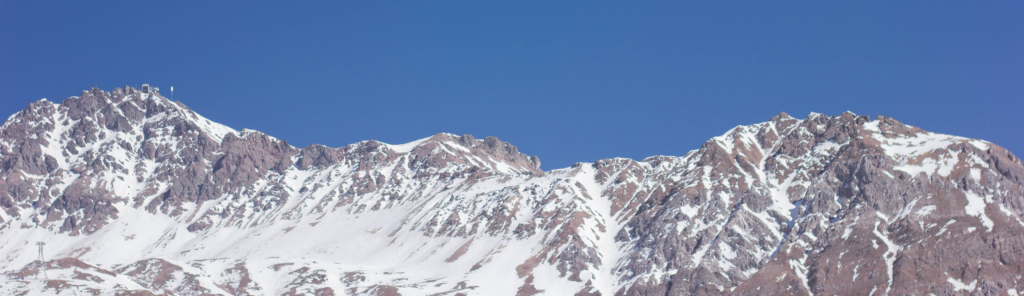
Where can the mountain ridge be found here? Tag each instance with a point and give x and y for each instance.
(130, 180)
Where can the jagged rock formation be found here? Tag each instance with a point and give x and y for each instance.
(135, 194)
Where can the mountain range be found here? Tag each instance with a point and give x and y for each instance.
(135, 194)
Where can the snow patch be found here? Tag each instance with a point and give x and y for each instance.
(981, 145)
(407, 147)
(976, 207)
(925, 210)
(960, 286)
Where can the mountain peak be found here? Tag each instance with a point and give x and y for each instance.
(489, 152)
(134, 193)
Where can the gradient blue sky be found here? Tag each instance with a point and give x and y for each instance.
(569, 81)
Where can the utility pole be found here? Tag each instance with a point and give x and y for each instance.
(42, 262)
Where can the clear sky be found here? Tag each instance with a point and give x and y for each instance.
(569, 81)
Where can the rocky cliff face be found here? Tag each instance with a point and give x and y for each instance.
(135, 194)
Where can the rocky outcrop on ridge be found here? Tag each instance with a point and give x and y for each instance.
(134, 193)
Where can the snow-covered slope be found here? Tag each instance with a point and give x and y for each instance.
(133, 193)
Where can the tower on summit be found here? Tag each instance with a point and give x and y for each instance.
(147, 88)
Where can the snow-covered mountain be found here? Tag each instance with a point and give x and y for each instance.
(134, 194)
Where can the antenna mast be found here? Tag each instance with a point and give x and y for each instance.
(172, 93)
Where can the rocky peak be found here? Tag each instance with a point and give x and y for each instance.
(490, 153)
(819, 205)
(437, 152)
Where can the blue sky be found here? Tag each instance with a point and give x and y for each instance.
(570, 81)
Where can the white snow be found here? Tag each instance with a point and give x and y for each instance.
(982, 145)
(909, 152)
(976, 174)
(1008, 213)
(960, 286)
(943, 229)
(925, 210)
(407, 147)
(689, 210)
(890, 253)
(976, 207)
